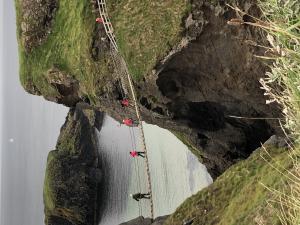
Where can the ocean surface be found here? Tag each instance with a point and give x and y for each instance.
(175, 172)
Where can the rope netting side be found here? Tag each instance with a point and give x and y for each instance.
(125, 73)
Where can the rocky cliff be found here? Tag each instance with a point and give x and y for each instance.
(195, 74)
(73, 175)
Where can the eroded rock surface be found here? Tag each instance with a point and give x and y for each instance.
(36, 19)
(66, 86)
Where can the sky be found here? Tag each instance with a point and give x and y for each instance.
(1, 90)
(29, 129)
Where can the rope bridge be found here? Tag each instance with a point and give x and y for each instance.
(123, 72)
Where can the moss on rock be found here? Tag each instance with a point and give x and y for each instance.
(239, 195)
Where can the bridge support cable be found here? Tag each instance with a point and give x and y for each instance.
(123, 66)
(106, 23)
(137, 110)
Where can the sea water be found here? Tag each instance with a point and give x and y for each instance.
(175, 172)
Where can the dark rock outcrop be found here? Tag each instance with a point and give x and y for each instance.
(66, 86)
(73, 175)
(146, 221)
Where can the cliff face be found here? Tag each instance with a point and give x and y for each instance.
(73, 172)
(194, 73)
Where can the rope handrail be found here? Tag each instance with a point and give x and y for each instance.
(109, 32)
(142, 135)
(106, 22)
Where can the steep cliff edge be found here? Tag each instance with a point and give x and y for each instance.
(194, 73)
(241, 195)
(73, 175)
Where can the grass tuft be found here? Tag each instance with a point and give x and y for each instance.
(282, 83)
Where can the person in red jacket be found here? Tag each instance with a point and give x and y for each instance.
(99, 20)
(129, 122)
(134, 154)
(125, 102)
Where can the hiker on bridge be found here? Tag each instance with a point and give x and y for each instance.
(139, 196)
(129, 122)
(188, 222)
(99, 20)
(125, 102)
(134, 154)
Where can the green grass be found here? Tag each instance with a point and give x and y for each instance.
(283, 27)
(237, 196)
(283, 86)
(147, 30)
(68, 47)
(48, 192)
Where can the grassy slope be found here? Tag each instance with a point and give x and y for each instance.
(237, 196)
(147, 30)
(68, 46)
(283, 19)
(284, 27)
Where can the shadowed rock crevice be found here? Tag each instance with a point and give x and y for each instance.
(202, 115)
